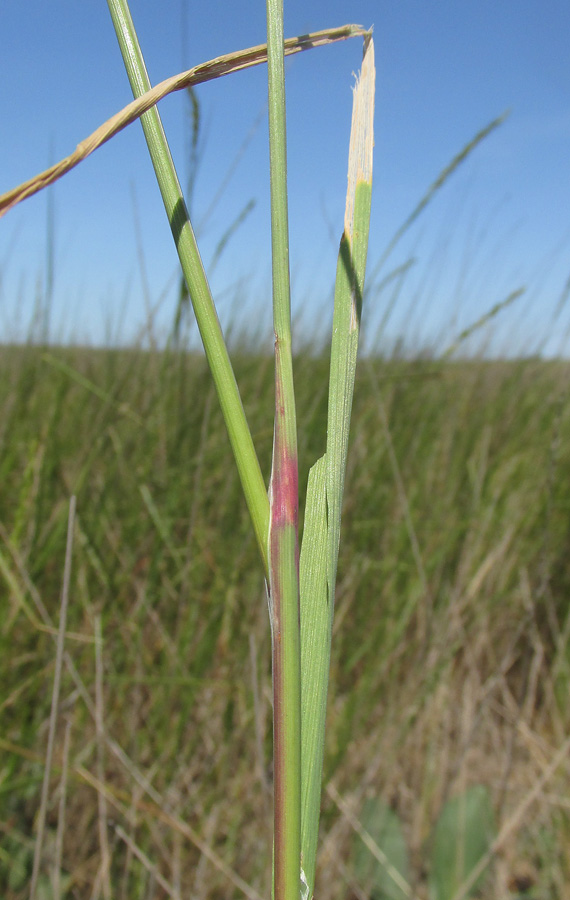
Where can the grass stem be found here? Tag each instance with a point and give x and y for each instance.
(284, 502)
(54, 701)
(191, 262)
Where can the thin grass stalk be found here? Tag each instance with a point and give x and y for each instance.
(202, 302)
(58, 853)
(284, 502)
(105, 863)
(150, 867)
(436, 186)
(54, 700)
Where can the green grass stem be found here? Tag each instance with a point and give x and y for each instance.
(200, 294)
(284, 502)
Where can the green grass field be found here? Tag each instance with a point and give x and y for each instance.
(450, 661)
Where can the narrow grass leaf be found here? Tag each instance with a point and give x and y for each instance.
(324, 500)
(315, 660)
(348, 298)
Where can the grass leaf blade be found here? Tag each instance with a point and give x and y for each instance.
(326, 483)
(315, 660)
(348, 298)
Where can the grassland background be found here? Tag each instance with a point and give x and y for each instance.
(450, 661)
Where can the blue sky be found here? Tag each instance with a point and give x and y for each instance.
(444, 70)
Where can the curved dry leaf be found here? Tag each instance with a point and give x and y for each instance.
(214, 68)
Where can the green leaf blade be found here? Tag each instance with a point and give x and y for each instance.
(321, 538)
(316, 623)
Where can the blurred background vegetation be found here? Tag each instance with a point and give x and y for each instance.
(450, 663)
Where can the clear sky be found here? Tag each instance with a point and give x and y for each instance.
(444, 70)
